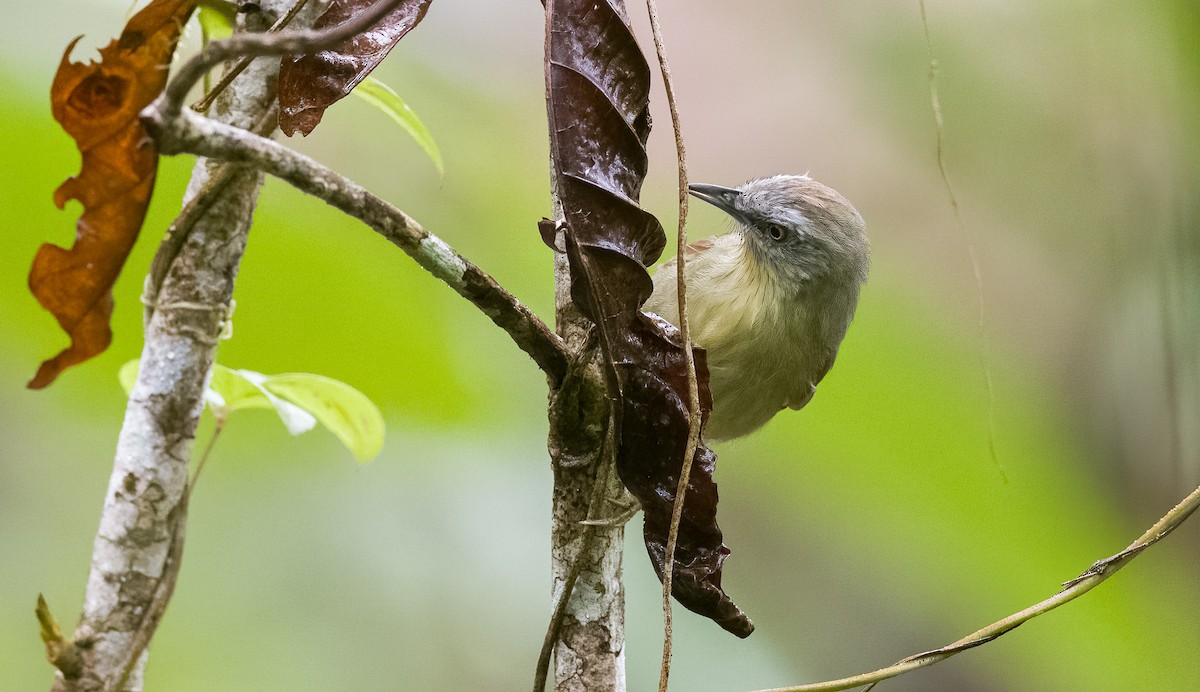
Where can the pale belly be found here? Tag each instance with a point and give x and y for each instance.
(755, 367)
(749, 388)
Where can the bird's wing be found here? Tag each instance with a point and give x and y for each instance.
(691, 250)
(803, 393)
(797, 399)
(697, 247)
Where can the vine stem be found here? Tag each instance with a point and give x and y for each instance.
(935, 106)
(298, 41)
(1090, 579)
(689, 357)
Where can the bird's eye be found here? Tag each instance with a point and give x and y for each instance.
(776, 231)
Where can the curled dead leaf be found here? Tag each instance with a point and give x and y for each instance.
(598, 83)
(97, 103)
(309, 84)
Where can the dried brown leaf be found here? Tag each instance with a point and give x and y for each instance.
(597, 84)
(648, 362)
(308, 84)
(98, 105)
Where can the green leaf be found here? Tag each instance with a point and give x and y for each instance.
(385, 99)
(245, 389)
(344, 410)
(228, 390)
(127, 375)
(216, 19)
(300, 399)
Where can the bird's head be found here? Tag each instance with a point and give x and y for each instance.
(798, 228)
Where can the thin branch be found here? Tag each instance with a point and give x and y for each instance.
(1171, 374)
(1097, 573)
(981, 309)
(690, 359)
(61, 651)
(240, 66)
(297, 41)
(188, 132)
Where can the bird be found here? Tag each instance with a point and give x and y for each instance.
(771, 300)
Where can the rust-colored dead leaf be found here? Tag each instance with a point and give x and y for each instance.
(308, 84)
(98, 105)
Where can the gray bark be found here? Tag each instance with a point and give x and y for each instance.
(140, 521)
(590, 652)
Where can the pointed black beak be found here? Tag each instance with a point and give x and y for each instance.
(722, 198)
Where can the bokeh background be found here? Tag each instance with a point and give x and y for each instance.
(872, 525)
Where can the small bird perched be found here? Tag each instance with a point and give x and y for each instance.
(771, 300)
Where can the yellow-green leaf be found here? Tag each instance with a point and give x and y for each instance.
(216, 19)
(127, 375)
(300, 399)
(385, 99)
(248, 391)
(344, 410)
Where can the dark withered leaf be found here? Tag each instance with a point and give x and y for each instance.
(308, 84)
(98, 105)
(654, 436)
(547, 229)
(648, 362)
(609, 289)
(598, 83)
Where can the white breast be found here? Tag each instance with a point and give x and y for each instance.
(766, 350)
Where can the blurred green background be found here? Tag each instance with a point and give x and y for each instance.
(872, 525)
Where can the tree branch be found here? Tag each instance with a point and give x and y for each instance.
(188, 132)
(1091, 578)
(192, 212)
(586, 560)
(139, 539)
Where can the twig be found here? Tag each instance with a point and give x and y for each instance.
(693, 386)
(297, 41)
(1092, 577)
(187, 132)
(984, 364)
(205, 103)
(1171, 377)
(62, 652)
